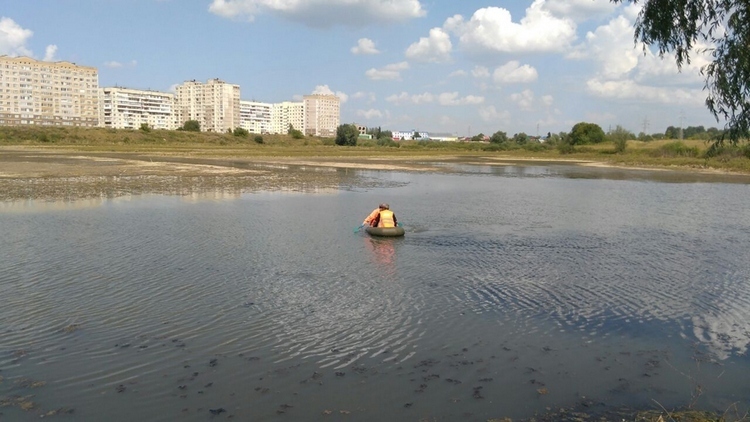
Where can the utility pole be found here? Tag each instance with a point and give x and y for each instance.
(645, 125)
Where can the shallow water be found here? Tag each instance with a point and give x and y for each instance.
(515, 290)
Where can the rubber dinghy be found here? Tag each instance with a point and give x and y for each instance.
(385, 231)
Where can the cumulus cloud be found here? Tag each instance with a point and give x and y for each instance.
(389, 72)
(325, 90)
(365, 46)
(492, 30)
(580, 10)
(406, 98)
(49, 53)
(370, 114)
(433, 49)
(480, 72)
(631, 90)
(116, 65)
(458, 73)
(492, 114)
(453, 99)
(368, 96)
(513, 73)
(13, 38)
(322, 13)
(524, 99)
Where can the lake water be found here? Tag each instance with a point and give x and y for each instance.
(516, 290)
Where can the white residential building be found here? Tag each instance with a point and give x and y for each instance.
(215, 105)
(34, 92)
(125, 108)
(408, 135)
(322, 114)
(256, 117)
(288, 113)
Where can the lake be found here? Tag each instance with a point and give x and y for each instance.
(516, 290)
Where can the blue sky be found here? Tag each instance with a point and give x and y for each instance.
(461, 67)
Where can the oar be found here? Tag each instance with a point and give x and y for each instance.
(357, 229)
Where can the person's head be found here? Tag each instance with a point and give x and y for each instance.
(384, 206)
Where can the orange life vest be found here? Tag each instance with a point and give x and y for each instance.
(386, 219)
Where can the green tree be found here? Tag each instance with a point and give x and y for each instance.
(499, 137)
(521, 138)
(676, 26)
(145, 127)
(192, 126)
(619, 136)
(416, 135)
(586, 133)
(478, 138)
(347, 135)
(385, 134)
(238, 131)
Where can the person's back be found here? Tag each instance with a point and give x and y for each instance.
(377, 218)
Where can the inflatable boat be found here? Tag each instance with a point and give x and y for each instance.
(385, 231)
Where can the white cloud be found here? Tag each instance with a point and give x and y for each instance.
(452, 99)
(389, 72)
(325, 90)
(580, 10)
(458, 73)
(370, 114)
(405, 98)
(368, 96)
(491, 114)
(433, 49)
(492, 30)
(49, 54)
(116, 65)
(524, 99)
(365, 46)
(13, 38)
(322, 13)
(631, 90)
(512, 72)
(480, 72)
(547, 100)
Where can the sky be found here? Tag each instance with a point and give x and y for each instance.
(440, 66)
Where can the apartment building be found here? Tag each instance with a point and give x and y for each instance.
(215, 104)
(288, 113)
(256, 117)
(34, 92)
(322, 114)
(125, 108)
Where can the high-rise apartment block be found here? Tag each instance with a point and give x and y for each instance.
(34, 92)
(256, 117)
(124, 108)
(286, 114)
(322, 114)
(215, 104)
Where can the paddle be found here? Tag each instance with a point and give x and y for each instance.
(357, 229)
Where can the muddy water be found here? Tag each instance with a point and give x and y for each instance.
(515, 291)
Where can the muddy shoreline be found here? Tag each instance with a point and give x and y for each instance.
(28, 173)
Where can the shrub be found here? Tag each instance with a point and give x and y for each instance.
(676, 149)
(258, 139)
(238, 131)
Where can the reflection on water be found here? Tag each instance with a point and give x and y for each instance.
(507, 296)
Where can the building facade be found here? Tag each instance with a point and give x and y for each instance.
(288, 113)
(322, 114)
(256, 117)
(124, 108)
(215, 105)
(34, 92)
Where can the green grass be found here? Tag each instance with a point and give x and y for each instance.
(665, 153)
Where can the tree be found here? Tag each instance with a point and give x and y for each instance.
(192, 126)
(296, 134)
(620, 136)
(521, 138)
(586, 133)
(238, 131)
(385, 134)
(416, 135)
(145, 127)
(347, 135)
(677, 25)
(499, 137)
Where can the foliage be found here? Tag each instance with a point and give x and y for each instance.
(416, 135)
(586, 133)
(191, 126)
(258, 139)
(619, 136)
(478, 138)
(238, 131)
(520, 138)
(499, 137)
(386, 134)
(145, 128)
(676, 26)
(675, 149)
(347, 135)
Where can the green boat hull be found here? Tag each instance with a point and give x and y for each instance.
(385, 231)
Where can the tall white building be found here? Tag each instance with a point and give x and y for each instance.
(34, 92)
(215, 104)
(322, 114)
(124, 108)
(288, 113)
(256, 117)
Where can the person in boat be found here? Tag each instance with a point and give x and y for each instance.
(382, 216)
